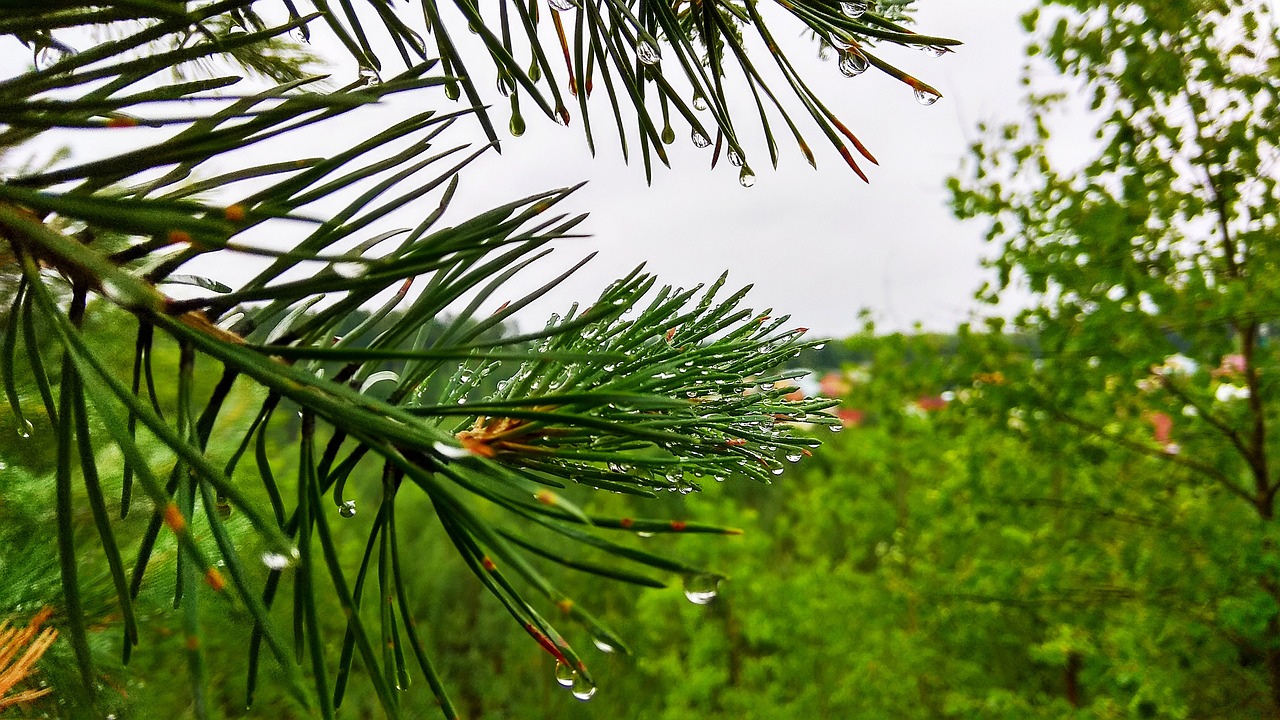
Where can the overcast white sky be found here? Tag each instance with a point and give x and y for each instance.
(820, 245)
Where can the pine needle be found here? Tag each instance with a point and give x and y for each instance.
(13, 671)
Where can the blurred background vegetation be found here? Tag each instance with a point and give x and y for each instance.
(1067, 513)
(941, 556)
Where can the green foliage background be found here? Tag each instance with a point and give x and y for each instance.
(1069, 513)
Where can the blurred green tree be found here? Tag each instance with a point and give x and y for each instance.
(1150, 391)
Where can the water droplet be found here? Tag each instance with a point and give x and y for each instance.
(452, 90)
(819, 346)
(735, 158)
(119, 294)
(451, 451)
(47, 55)
(25, 429)
(583, 688)
(276, 561)
(505, 84)
(517, 125)
(643, 534)
(853, 8)
(776, 470)
(835, 428)
(369, 76)
(299, 34)
(560, 5)
(701, 589)
(766, 386)
(350, 269)
(699, 102)
(853, 63)
(926, 97)
(648, 53)
(348, 509)
(699, 140)
(668, 135)
(565, 675)
(794, 457)
(746, 178)
(934, 50)
(602, 645)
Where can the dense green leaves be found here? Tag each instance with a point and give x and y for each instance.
(1150, 260)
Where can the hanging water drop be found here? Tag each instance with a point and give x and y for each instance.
(699, 102)
(583, 688)
(701, 589)
(368, 76)
(517, 125)
(560, 5)
(735, 158)
(776, 470)
(853, 63)
(602, 645)
(794, 457)
(643, 534)
(853, 8)
(565, 675)
(648, 53)
(819, 346)
(25, 429)
(699, 141)
(505, 84)
(275, 561)
(836, 427)
(925, 96)
(766, 386)
(668, 135)
(746, 178)
(347, 509)
(47, 55)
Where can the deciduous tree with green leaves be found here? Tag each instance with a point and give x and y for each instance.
(430, 406)
(1150, 258)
